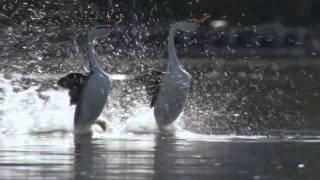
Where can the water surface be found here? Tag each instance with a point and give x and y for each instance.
(154, 157)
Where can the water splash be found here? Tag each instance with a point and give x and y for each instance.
(34, 105)
(35, 110)
(30, 111)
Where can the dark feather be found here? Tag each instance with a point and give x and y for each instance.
(151, 79)
(73, 82)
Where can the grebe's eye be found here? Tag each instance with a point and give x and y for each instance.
(191, 20)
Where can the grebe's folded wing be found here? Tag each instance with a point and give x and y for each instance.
(73, 82)
(151, 79)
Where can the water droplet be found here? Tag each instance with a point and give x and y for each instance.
(300, 165)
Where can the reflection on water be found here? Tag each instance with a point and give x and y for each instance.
(155, 157)
(27, 157)
(113, 159)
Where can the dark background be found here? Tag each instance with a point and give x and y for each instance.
(264, 28)
(245, 12)
(27, 24)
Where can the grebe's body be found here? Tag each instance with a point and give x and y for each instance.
(169, 93)
(89, 93)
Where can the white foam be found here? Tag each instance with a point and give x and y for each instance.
(25, 112)
(141, 121)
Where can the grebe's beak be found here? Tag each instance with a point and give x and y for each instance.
(203, 19)
(109, 26)
(115, 24)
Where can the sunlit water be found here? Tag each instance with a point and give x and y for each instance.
(36, 142)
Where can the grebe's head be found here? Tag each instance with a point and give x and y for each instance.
(191, 25)
(101, 31)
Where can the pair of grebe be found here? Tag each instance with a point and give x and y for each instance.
(168, 90)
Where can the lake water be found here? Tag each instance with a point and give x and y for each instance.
(182, 157)
(36, 140)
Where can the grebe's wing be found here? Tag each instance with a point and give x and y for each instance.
(151, 79)
(73, 82)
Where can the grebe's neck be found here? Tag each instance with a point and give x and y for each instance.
(173, 61)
